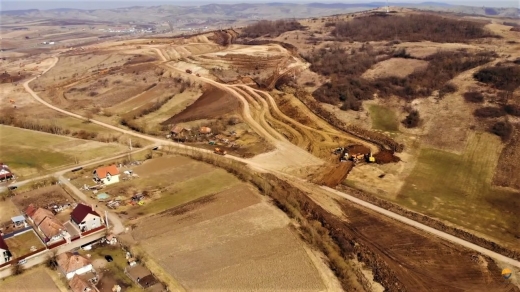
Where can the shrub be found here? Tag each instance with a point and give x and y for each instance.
(501, 77)
(502, 129)
(410, 28)
(474, 97)
(412, 119)
(512, 109)
(489, 112)
(447, 88)
(270, 28)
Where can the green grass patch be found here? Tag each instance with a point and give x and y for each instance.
(191, 189)
(458, 189)
(383, 118)
(31, 152)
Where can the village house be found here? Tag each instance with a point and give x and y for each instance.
(106, 174)
(179, 132)
(46, 223)
(77, 284)
(73, 264)
(85, 218)
(5, 173)
(5, 254)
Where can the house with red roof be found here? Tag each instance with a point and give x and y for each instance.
(106, 174)
(85, 217)
(5, 254)
(5, 173)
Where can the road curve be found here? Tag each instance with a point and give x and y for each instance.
(370, 206)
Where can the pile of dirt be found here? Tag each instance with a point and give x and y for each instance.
(386, 156)
(358, 149)
(333, 175)
(213, 103)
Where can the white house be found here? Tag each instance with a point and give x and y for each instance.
(106, 174)
(85, 218)
(5, 254)
(73, 264)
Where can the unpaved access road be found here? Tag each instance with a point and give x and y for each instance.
(259, 167)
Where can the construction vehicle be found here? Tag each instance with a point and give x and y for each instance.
(337, 151)
(370, 158)
(188, 71)
(220, 151)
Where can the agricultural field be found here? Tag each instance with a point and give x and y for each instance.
(230, 240)
(24, 243)
(167, 182)
(8, 210)
(39, 152)
(26, 282)
(458, 189)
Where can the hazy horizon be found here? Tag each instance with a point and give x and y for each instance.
(99, 4)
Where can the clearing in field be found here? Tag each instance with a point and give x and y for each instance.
(395, 67)
(457, 188)
(22, 244)
(37, 151)
(383, 118)
(229, 241)
(26, 282)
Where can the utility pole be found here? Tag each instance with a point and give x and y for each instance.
(130, 152)
(106, 218)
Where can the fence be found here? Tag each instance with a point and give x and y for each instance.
(93, 230)
(17, 232)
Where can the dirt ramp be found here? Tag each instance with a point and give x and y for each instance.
(332, 175)
(213, 103)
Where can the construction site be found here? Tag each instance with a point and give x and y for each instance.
(267, 110)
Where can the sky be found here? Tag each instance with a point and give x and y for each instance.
(101, 4)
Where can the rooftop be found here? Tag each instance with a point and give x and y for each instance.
(102, 172)
(69, 262)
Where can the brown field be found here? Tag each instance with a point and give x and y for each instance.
(228, 241)
(388, 68)
(43, 197)
(8, 210)
(212, 103)
(27, 282)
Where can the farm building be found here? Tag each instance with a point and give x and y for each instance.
(85, 218)
(5, 173)
(5, 254)
(106, 174)
(179, 132)
(73, 264)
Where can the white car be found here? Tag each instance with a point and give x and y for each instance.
(22, 262)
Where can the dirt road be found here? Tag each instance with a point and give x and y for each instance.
(260, 167)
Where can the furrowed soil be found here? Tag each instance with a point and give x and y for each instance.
(229, 241)
(27, 281)
(212, 103)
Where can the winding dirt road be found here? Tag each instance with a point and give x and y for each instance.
(283, 147)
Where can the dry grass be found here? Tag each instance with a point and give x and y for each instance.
(395, 67)
(37, 279)
(229, 241)
(21, 245)
(8, 210)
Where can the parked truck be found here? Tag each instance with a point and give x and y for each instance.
(220, 151)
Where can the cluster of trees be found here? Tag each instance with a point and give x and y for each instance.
(344, 69)
(410, 28)
(270, 28)
(501, 77)
(412, 120)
